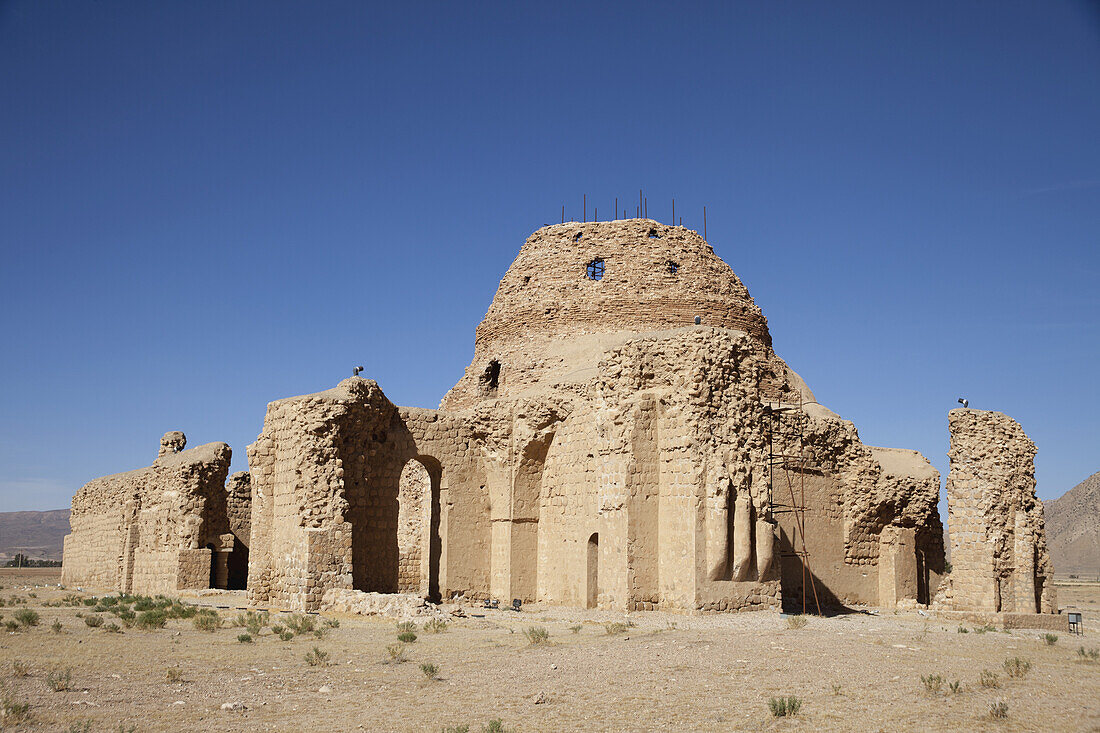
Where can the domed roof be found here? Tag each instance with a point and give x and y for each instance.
(629, 276)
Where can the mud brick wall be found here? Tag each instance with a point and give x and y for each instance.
(998, 541)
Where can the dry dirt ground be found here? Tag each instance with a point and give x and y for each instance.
(668, 672)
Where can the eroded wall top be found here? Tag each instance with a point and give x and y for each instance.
(644, 276)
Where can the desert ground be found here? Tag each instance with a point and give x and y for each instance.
(654, 671)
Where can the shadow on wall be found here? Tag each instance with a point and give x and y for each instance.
(394, 510)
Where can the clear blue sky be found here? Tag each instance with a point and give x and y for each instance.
(205, 206)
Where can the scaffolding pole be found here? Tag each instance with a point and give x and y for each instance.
(790, 457)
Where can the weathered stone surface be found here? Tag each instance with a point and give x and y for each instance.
(601, 450)
(998, 540)
(158, 529)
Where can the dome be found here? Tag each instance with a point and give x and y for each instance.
(572, 281)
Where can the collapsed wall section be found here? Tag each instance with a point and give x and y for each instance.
(154, 530)
(998, 540)
(350, 492)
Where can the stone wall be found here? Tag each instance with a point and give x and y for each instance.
(998, 541)
(153, 530)
(351, 492)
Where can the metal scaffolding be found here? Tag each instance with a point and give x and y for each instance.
(786, 452)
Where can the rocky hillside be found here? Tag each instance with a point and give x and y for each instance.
(1073, 528)
(38, 535)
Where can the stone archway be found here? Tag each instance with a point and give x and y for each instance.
(418, 520)
(592, 592)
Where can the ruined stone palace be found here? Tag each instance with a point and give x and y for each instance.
(624, 438)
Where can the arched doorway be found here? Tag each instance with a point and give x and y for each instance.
(213, 567)
(418, 515)
(593, 574)
(238, 566)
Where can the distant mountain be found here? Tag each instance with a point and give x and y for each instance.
(38, 535)
(1073, 528)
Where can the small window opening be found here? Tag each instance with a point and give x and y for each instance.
(577, 236)
(526, 279)
(491, 377)
(653, 234)
(595, 270)
(673, 268)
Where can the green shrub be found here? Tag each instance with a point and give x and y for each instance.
(277, 629)
(152, 619)
(286, 635)
(783, 707)
(406, 637)
(1090, 655)
(536, 635)
(932, 682)
(457, 729)
(12, 712)
(316, 657)
(84, 726)
(955, 687)
(173, 675)
(988, 678)
(244, 638)
(615, 628)
(207, 620)
(301, 624)
(1016, 667)
(494, 726)
(19, 668)
(796, 622)
(576, 629)
(430, 671)
(178, 610)
(59, 681)
(407, 626)
(94, 621)
(998, 709)
(55, 627)
(113, 628)
(395, 654)
(26, 617)
(253, 621)
(11, 625)
(436, 626)
(963, 630)
(1050, 639)
(332, 623)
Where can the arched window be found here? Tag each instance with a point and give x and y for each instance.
(595, 270)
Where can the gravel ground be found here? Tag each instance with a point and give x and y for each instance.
(852, 672)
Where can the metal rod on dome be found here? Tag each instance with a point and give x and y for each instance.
(646, 207)
(563, 213)
(595, 213)
(639, 202)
